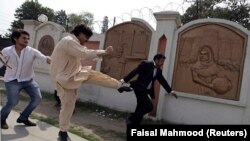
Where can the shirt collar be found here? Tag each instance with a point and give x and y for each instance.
(75, 38)
(154, 63)
(14, 50)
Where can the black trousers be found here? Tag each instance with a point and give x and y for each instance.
(57, 97)
(144, 106)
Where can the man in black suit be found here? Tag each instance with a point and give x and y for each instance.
(57, 99)
(148, 72)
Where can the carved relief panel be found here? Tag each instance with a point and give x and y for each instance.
(209, 61)
(46, 45)
(131, 42)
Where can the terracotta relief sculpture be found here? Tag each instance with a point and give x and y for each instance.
(209, 61)
(46, 45)
(208, 73)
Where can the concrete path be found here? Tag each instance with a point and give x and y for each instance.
(41, 132)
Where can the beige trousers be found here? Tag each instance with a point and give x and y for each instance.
(68, 96)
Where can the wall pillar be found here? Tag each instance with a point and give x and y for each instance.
(167, 24)
(29, 26)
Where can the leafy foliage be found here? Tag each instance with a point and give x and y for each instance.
(83, 18)
(61, 18)
(30, 10)
(233, 10)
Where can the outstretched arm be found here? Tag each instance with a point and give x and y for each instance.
(108, 50)
(74, 48)
(42, 57)
(165, 85)
(163, 82)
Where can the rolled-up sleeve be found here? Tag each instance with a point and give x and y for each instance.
(40, 56)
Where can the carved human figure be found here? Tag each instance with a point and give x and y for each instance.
(208, 73)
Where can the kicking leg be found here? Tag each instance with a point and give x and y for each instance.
(101, 79)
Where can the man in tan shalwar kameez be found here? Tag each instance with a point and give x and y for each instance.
(68, 73)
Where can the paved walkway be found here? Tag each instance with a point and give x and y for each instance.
(41, 132)
(20, 132)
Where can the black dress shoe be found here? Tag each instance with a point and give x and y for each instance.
(4, 125)
(26, 122)
(125, 88)
(63, 136)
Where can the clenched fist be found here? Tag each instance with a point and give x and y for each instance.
(109, 50)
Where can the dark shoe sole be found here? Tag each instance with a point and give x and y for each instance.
(4, 127)
(62, 136)
(125, 89)
(27, 123)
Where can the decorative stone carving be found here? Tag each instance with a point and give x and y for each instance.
(209, 61)
(205, 71)
(46, 45)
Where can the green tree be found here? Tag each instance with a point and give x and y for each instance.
(239, 12)
(30, 10)
(105, 24)
(233, 10)
(61, 18)
(83, 18)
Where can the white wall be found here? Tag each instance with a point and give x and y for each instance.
(196, 111)
(107, 97)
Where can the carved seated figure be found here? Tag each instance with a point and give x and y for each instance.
(207, 73)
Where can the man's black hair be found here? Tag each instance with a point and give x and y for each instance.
(159, 56)
(82, 29)
(16, 34)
